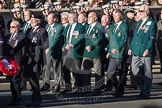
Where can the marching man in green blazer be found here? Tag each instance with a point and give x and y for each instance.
(93, 51)
(116, 50)
(142, 50)
(74, 47)
(54, 52)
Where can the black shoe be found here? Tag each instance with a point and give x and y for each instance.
(23, 88)
(45, 87)
(75, 90)
(118, 94)
(14, 103)
(141, 96)
(56, 88)
(96, 93)
(65, 91)
(34, 104)
(132, 87)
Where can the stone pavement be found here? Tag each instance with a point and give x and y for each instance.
(104, 100)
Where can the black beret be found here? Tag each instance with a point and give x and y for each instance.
(37, 16)
(130, 11)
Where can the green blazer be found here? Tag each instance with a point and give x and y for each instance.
(95, 40)
(77, 41)
(118, 39)
(55, 40)
(144, 38)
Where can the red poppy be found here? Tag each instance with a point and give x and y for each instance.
(37, 30)
(14, 38)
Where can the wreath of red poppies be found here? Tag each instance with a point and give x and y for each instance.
(13, 66)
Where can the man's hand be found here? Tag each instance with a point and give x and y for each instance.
(146, 53)
(107, 55)
(88, 48)
(47, 51)
(129, 52)
(63, 49)
(68, 47)
(114, 51)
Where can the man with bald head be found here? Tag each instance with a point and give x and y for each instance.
(54, 52)
(142, 47)
(13, 45)
(93, 51)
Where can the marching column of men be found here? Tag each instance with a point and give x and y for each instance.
(79, 47)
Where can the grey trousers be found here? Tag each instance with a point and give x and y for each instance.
(87, 64)
(142, 70)
(47, 70)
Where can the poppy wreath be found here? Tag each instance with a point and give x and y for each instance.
(8, 66)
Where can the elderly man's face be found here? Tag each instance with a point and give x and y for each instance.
(72, 19)
(104, 21)
(117, 17)
(35, 21)
(14, 28)
(26, 16)
(81, 18)
(64, 19)
(51, 19)
(143, 12)
(91, 18)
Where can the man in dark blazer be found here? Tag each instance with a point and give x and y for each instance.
(35, 46)
(12, 47)
(26, 26)
(142, 49)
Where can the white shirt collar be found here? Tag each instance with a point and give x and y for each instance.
(29, 22)
(119, 23)
(35, 28)
(93, 24)
(52, 25)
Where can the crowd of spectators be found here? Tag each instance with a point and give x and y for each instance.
(6, 4)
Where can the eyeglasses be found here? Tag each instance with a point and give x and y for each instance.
(63, 18)
(12, 26)
(141, 11)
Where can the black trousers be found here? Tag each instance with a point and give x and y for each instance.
(160, 57)
(34, 82)
(33, 73)
(15, 86)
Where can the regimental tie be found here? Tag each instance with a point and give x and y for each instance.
(89, 29)
(68, 34)
(49, 28)
(26, 27)
(33, 29)
(115, 27)
(12, 37)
